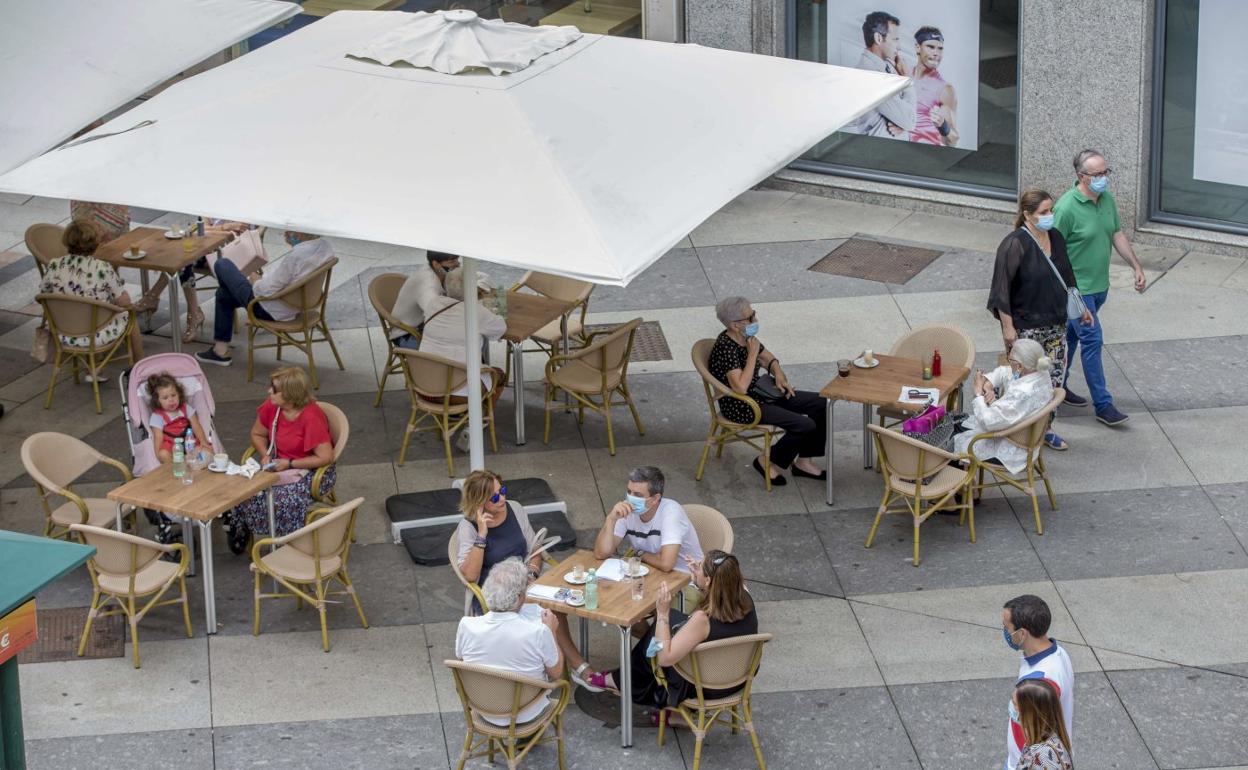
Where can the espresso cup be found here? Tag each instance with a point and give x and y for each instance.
(220, 460)
(843, 367)
(868, 356)
(576, 596)
(134, 250)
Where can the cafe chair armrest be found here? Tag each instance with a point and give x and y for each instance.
(316, 513)
(260, 543)
(120, 466)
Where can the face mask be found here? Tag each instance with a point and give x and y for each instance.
(1099, 184)
(751, 330)
(1045, 222)
(1013, 712)
(638, 503)
(1016, 374)
(1009, 640)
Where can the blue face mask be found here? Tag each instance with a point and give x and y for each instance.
(1045, 222)
(1016, 374)
(1010, 641)
(638, 503)
(1013, 712)
(751, 330)
(1099, 184)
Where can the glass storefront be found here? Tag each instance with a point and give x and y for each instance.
(1200, 129)
(938, 138)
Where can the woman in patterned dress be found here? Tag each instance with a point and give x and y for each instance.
(1038, 710)
(83, 275)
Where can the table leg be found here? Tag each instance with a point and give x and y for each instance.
(146, 318)
(582, 627)
(268, 502)
(210, 578)
(517, 366)
(175, 313)
(626, 687)
(828, 449)
(868, 446)
(188, 539)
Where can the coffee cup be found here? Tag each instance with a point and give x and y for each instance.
(134, 250)
(578, 572)
(843, 367)
(576, 596)
(868, 356)
(220, 461)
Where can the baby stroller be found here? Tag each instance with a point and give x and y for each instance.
(136, 409)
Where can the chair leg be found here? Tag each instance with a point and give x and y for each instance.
(95, 386)
(86, 630)
(559, 741)
(628, 399)
(346, 581)
(918, 511)
(186, 607)
(1035, 500)
(320, 608)
(134, 641)
(1048, 488)
(463, 753)
(407, 436)
(697, 749)
(385, 374)
(307, 341)
(446, 444)
(878, 516)
(767, 463)
(749, 726)
(550, 396)
(493, 433)
(56, 372)
(255, 626)
(662, 725)
(610, 433)
(970, 512)
(332, 347)
(706, 452)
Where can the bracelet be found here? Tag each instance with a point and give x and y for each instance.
(479, 542)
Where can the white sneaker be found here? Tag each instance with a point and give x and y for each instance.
(95, 378)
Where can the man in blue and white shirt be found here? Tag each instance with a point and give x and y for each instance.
(1025, 624)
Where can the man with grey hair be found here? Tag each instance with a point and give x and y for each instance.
(1087, 217)
(657, 528)
(519, 638)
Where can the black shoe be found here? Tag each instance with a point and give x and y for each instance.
(778, 481)
(1111, 416)
(210, 356)
(801, 474)
(166, 533)
(238, 537)
(1074, 399)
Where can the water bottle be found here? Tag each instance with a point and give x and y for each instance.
(179, 462)
(191, 449)
(591, 591)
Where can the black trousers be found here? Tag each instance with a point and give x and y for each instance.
(804, 419)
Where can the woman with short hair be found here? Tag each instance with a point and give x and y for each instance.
(1003, 398)
(292, 434)
(739, 360)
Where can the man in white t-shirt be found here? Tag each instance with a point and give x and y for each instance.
(520, 639)
(1025, 624)
(658, 529)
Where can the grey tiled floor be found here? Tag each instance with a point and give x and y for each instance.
(876, 663)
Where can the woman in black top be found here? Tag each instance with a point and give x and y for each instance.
(1027, 296)
(738, 359)
(725, 610)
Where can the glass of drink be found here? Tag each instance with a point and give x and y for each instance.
(578, 572)
(639, 587)
(843, 367)
(634, 566)
(188, 239)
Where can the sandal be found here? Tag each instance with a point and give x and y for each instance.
(148, 303)
(193, 327)
(579, 678)
(1055, 442)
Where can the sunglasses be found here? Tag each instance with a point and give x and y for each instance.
(499, 495)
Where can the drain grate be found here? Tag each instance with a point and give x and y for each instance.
(875, 261)
(649, 343)
(60, 630)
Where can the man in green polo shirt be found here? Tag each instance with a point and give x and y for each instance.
(1087, 216)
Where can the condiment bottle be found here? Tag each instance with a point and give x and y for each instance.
(936, 363)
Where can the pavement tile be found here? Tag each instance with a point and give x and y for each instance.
(1189, 717)
(1232, 503)
(106, 696)
(955, 270)
(951, 231)
(817, 644)
(368, 673)
(1161, 372)
(187, 749)
(1132, 532)
(783, 558)
(1189, 618)
(372, 743)
(1204, 269)
(1210, 441)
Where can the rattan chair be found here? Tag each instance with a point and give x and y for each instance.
(431, 382)
(599, 369)
(339, 434)
(718, 665)
(55, 461)
(488, 691)
(471, 589)
(311, 556)
(43, 241)
(920, 476)
(307, 297)
(713, 528)
(549, 339)
(74, 316)
(956, 349)
(125, 569)
(724, 431)
(1028, 434)
(382, 293)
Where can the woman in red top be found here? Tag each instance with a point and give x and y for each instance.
(290, 432)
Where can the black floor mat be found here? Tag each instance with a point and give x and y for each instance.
(427, 545)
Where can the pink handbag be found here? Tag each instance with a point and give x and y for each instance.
(925, 422)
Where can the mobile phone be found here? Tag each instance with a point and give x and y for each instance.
(562, 594)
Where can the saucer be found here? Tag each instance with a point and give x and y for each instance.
(574, 603)
(858, 362)
(218, 469)
(140, 255)
(576, 581)
(173, 236)
(642, 571)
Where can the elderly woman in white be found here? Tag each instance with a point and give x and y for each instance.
(1004, 397)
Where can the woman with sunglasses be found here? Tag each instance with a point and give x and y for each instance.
(491, 531)
(740, 361)
(290, 434)
(725, 610)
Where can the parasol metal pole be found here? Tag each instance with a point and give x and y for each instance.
(472, 350)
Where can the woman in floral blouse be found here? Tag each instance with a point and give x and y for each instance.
(81, 274)
(1038, 710)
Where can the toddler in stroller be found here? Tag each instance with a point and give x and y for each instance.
(163, 397)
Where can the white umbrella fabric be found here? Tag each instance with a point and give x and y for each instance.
(65, 63)
(590, 162)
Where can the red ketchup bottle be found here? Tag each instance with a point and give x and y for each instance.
(936, 363)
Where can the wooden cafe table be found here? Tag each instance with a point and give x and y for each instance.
(880, 386)
(617, 608)
(164, 255)
(201, 502)
(527, 313)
